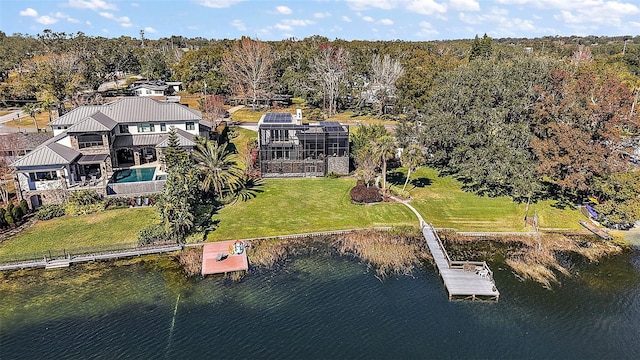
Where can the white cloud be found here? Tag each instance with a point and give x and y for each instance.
(60, 15)
(88, 23)
(465, 5)
(150, 30)
(283, 27)
(346, 19)
(284, 10)
(218, 4)
(367, 18)
(426, 30)
(427, 7)
(367, 4)
(320, 15)
(386, 22)
(238, 24)
(608, 13)
(91, 4)
(46, 20)
(123, 20)
(29, 12)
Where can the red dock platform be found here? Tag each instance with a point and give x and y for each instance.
(218, 258)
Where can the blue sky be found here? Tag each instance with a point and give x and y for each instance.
(344, 19)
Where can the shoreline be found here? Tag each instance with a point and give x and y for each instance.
(398, 251)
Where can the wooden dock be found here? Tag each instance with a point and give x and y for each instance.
(218, 258)
(462, 279)
(63, 262)
(596, 230)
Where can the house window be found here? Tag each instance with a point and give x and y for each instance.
(190, 125)
(142, 128)
(163, 127)
(279, 135)
(43, 176)
(89, 140)
(124, 129)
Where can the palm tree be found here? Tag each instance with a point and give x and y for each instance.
(412, 158)
(219, 168)
(385, 148)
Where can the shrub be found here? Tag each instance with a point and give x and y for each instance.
(24, 206)
(84, 202)
(17, 213)
(315, 115)
(118, 202)
(48, 212)
(152, 234)
(3, 222)
(364, 195)
(332, 175)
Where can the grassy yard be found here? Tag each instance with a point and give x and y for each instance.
(27, 121)
(289, 206)
(441, 201)
(108, 227)
(306, 205)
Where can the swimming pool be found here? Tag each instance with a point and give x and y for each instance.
(133, 175)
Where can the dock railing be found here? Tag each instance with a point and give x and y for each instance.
(444, 251)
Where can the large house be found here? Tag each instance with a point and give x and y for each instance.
(288, 147)
(92, 143)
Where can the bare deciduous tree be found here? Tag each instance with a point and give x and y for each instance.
(213, 110)
(385, 72)
(329, 70)
(249, 68)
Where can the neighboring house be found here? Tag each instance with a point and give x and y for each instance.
(16, 145)
(289, 148)
(155, 88)
(91, 142)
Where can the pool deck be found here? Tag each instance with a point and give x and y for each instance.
(230, 262)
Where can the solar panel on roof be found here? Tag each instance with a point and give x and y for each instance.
(277, 118)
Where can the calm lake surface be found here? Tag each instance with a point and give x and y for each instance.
(316, 307)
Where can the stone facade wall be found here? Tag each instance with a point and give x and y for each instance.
(338, 165)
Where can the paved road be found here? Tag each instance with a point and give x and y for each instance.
(12, 116)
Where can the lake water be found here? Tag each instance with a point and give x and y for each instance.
(316, 307)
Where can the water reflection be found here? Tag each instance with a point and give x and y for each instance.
(315, 307)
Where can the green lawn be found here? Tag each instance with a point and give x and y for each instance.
(108, 227)
(441, 201)
(289, 206)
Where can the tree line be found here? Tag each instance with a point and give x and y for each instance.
(552, 117)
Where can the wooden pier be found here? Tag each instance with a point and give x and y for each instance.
(596, 230)
(66, 261)
(462, 279)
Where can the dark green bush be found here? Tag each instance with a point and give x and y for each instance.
(48, 212)
(24, 206)
(3, 222)
(152, 234)
(83, 202)
(17, 213)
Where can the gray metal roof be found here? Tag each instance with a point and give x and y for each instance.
(92, 159)
(137, 140)
(132, 110)
(94, 123)
(185, 139)
(51, 153)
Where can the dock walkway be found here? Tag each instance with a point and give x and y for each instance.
(468, 279)
(462, 279)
